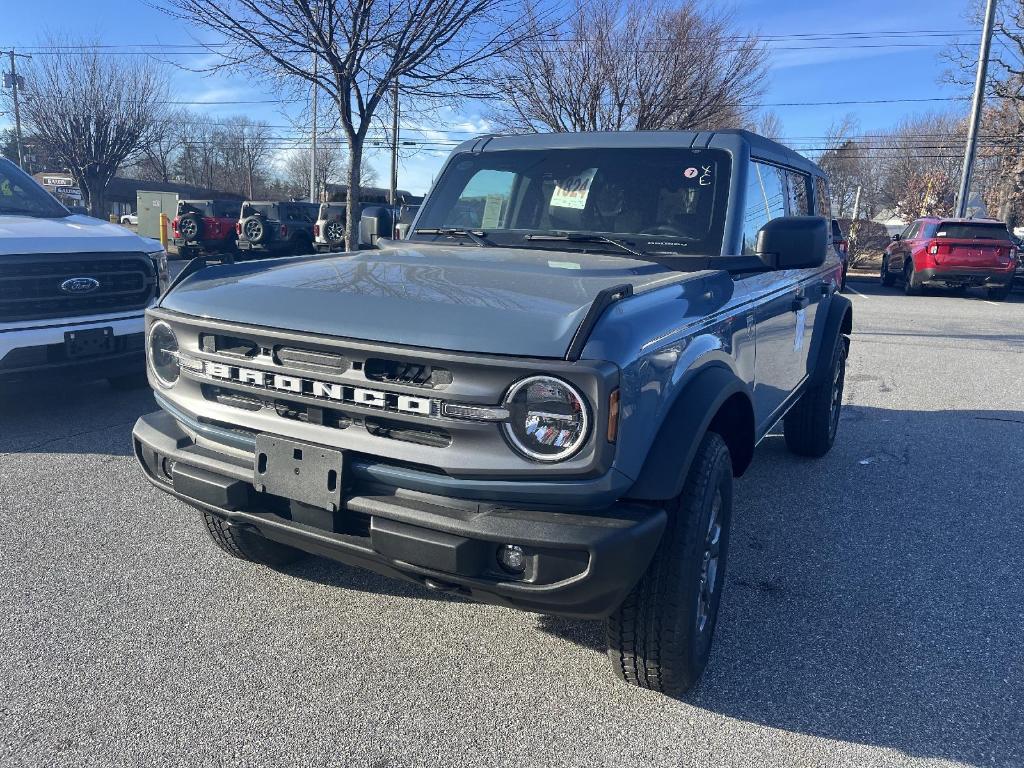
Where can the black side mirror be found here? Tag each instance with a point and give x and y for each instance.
(793, 242)
(895, 238)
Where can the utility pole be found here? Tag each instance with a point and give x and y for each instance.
(394, 148)
(963, 196)
(17, 109)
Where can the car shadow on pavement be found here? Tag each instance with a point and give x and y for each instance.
(71, 417)
(875, 596)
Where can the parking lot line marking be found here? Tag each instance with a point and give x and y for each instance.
(854, 290)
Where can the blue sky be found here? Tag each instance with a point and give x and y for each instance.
(907, 66)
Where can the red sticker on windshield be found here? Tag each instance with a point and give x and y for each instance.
(690, 173)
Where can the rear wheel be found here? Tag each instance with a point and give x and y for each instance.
(247, 544)
(660, 637)
(810, 426)
(887, 278)
(1000, 293)
(910, 286)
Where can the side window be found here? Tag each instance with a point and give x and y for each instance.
(796, 185)
(765, 201)
(484, 203)
(913, 231)
(822, 198)
(905, 234)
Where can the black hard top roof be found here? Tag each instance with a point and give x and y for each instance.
(731, 139)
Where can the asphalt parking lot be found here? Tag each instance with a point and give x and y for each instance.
(873, 615)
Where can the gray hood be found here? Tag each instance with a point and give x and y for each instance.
(488, 300)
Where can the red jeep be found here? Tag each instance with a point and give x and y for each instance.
(205, 226)
(954, 253)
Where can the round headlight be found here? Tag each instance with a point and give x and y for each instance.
(163, 353)
(547, 418)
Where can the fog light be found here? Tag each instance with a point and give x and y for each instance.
(512, 558)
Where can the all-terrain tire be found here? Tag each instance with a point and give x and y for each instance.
(660, 638)
(248, 545)
(887, 278)
(910, 288)
(810, 426)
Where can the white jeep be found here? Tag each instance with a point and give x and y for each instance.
(73, 289)
(329, 230)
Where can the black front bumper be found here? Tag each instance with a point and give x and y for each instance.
(580, 565)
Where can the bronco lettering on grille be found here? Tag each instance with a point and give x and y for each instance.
(341, 393)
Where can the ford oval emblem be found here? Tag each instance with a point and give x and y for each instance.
(80, 285)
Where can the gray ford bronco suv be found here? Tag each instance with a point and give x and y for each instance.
(539, 399)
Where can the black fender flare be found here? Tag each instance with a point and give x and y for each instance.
(695, 408)
(839, 321)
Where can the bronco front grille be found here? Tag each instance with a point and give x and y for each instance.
(30, 286)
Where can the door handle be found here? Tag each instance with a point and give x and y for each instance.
(800, 302)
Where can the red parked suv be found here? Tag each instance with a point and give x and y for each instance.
(205, 226)
(954, 253)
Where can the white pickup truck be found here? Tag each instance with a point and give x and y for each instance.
(73, 289)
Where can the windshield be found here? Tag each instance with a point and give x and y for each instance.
(20, 195)
(658, 200)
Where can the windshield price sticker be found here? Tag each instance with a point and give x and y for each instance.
(574, 191)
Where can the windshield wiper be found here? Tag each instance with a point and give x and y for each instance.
(584, 237)
(478, 237)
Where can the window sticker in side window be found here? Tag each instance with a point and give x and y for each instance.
(492, 211)
(574, 191)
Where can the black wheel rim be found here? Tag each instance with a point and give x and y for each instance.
(708, 591)
(838, 377)
(188, 228)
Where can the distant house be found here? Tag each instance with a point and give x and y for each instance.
(893, 223)
(122, 193)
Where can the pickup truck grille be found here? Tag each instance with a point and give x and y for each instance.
(30, 286)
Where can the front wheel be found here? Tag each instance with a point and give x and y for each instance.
(246, 544)
(660, 637)
(810, 426)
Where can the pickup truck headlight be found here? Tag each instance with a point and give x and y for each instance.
(163, 353)
(548, 419)
(163, 275)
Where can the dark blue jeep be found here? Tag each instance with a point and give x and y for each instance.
(539, 399)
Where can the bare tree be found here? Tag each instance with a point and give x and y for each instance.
(359, 49)
(92, 113)
(630, 65)
(331, 168)
(160, 154)
(243, 147)
(844, 161)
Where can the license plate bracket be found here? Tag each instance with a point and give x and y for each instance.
(311, 474)
(88, 342)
